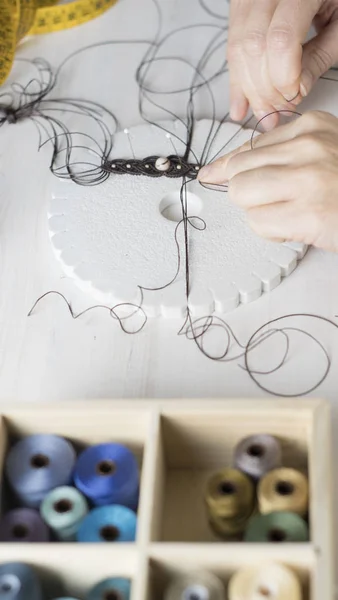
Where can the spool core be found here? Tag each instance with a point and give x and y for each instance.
(63, 506)
(106, 468)
(111, 595)
(256, 450)
(284, 488)
(226, 488)
(20, 531)
(277, 535)
(264, 592)
(39, 461)
(109, 533)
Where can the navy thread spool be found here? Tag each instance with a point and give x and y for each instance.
(116, 588)
(19, 582)
(23, 525)
(277, 527)
(196, 586)
(64, 509)
(108, 474)
(38, 464)
(108, 524)
(257, 454)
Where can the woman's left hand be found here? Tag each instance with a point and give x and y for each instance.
(288, 184)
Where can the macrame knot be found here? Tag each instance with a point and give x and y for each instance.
(153, 166)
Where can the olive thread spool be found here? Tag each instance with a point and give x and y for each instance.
(283, 490)
(230, 502)
(195, 586)
(258, 454)
(270, 581)
(277, 527)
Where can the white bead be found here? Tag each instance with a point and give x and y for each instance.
(179, 167)
(162, 164)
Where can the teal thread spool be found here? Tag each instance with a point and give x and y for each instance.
(63, 510)
(116, 588)
(277, 527)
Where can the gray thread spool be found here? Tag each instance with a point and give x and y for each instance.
(19, 582)
(257, 454)
(196, 586)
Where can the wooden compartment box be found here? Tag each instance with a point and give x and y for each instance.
(178, 445)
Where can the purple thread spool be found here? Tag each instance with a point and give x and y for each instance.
(23, 525)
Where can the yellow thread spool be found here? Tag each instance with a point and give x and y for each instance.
(267, 582)
(283, 490)
(21, 17)
(230, 501)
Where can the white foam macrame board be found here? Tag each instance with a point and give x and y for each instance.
(114, 237)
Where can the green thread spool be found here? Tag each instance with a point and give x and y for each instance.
(277, 527)
(230, 501)
(63, 510)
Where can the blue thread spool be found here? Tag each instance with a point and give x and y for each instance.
(108, 474)
(37, 464)
(23, 525)
(116, 588)
(19, 582)
(64, 509)
(108, 524)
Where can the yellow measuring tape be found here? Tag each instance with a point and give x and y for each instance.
(30, 17)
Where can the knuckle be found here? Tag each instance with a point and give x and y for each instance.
(312, 120)
(234, 49)
(280, 38)
(321, 59)
(254, 43)
(315, 145)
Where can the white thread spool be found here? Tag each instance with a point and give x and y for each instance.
(162, 164)
(199, 585)
(267, 582)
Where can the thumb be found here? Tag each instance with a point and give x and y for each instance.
(319, 55)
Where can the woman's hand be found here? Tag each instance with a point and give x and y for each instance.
(288, 184)
(269, 67)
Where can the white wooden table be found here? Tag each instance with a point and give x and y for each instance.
(51, 357)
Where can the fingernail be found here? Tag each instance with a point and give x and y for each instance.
(204, 173)
(305, 83)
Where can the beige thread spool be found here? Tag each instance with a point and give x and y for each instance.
(283, 490)
(267, 582)
(199, 585)
(230, 500)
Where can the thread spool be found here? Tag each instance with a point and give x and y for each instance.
(196, 586)
(267, 582)
(257, 454)
(23, 525)
(116, 588)
(63, 510)
(37, 464)
(230, 500)
(19, 582)
(277, 527)
(283, 490)
(108, 474)
(113, 524)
